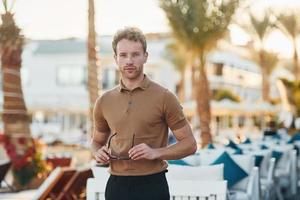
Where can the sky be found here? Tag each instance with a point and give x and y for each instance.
(53, 19)
(56, 19)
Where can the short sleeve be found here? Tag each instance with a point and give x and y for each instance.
(100, 124)
(173, 112)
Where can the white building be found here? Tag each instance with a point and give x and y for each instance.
(54, 77)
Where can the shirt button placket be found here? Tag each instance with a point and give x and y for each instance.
(129, 101)
(129, 162)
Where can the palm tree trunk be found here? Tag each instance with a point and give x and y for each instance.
(93, 64)
(194, 80)
(203, 103)
(15, 117)
(295, 58)
(265, 78)
(181, 87)
(265, 86)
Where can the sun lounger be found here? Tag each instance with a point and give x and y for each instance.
(50, 188)
(76, 186)
(4, 168)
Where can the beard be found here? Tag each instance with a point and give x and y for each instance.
(131, 72)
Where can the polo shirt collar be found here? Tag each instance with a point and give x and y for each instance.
(143, 85)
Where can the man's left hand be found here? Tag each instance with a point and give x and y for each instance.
(143, 151)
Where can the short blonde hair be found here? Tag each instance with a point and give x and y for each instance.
(129, 33)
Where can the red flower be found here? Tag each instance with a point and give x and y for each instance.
(12, 154)
(2, 137)
(20, 162)
(29, 152)
(10, 148)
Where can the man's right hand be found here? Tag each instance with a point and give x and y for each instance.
(102, 155)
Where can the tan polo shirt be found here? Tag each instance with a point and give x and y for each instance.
(146, 111)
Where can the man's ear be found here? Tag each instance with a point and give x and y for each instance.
(146, 56)
(115, 57)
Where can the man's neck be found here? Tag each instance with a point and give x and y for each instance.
(132, 83)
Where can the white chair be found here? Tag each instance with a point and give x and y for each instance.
(209, 172)
(248, 188)
(192, 160)
(95, 189)
(267, 183)
(264, 165)
(200, 182)
(208, 156)
(195, 190)
(288, 177)
(100, 173)
(286, 171)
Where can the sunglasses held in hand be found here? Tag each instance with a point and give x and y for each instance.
(118, 157)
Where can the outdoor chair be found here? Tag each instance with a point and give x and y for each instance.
(100, 172)
(246, 189)
(266, 165)
(185, 181)
(287, 177)
(67, 174)
(50, 188)
(4, 168)
(59, 161)
(249, 187)
(268, 187)
(198, 173)
(76, 186)
(95, 187)
(197, 190)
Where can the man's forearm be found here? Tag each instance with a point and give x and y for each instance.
(179, 150)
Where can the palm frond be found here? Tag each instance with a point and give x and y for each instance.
(8, 8)
(199, 24)
(289, 23)
(259, 28)
(4, 3)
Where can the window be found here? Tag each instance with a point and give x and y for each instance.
(110, 78)
(71, 75)
(218, 69)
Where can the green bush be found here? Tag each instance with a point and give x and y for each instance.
(226, 94)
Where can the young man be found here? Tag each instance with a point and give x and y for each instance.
(131, 126)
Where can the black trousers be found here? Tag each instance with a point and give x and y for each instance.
(149, 187)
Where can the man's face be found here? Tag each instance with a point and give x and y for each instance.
(130, 58)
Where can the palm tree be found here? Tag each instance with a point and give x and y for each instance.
(259, 30)
(268, 64)
(93, 63)
(179, 57)
(289, 23)
(270, 61)
(293, 93)
(199, 25)
(19, 144)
